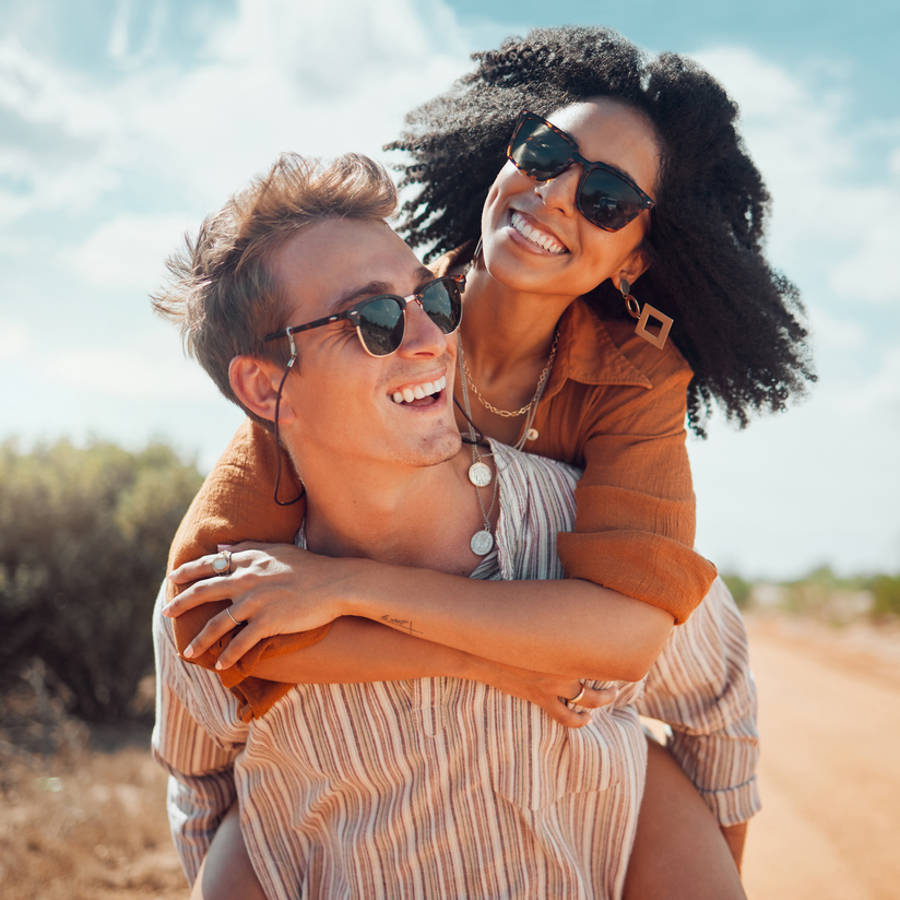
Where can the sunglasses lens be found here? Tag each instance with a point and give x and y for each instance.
(381, 325)
(607, 201)
(441, 301)
(539, 151)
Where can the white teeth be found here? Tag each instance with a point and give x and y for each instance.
(541, 238)
(420, 391)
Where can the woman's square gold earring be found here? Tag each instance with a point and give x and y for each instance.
(652, 324)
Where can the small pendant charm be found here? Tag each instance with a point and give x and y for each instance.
(481, 543)
(532, 434)
(480, 474)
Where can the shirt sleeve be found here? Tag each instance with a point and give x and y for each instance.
(702, 687)
(197, 753)
(236, 503)
(636, 511)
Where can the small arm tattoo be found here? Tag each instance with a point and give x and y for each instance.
(401, 624)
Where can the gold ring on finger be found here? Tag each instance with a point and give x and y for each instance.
(577, 698)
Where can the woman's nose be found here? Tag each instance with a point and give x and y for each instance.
(559, 192)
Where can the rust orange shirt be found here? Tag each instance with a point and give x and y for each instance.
(614, 406)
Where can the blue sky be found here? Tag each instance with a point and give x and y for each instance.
(123, 123)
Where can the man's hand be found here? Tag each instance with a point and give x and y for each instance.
(273, 588)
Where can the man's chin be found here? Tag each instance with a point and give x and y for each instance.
(438, 450)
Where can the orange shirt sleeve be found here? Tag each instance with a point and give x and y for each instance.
(236, 504)
(635, 518)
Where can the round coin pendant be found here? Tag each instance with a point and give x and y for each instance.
(480, 474)
(481, 543)
(532, 434)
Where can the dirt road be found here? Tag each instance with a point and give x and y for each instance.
(830, 782)
(830, 772)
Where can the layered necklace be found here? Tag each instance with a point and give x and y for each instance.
(480, 473)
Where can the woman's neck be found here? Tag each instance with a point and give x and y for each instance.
(504, 330)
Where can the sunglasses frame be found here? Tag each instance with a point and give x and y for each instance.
(352, 315)
(587, 166)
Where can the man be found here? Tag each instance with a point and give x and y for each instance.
(414, 786)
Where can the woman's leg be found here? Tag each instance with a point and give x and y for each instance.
(226, 873)
(679, 851)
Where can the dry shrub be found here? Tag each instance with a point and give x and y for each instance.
(80, 822)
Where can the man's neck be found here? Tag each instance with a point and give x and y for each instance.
(412, 516)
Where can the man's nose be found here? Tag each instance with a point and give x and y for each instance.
(421, 336)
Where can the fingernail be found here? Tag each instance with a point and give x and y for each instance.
(219, 664)
(221, 547)
(189, 652)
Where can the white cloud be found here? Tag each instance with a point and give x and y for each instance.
(871, 273)
(332, 77)
(128, 251)
(14, 342)
(41, 93)
(835, 331)
(132, 373)
(828, 209)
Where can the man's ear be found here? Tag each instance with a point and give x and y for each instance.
(255, 383)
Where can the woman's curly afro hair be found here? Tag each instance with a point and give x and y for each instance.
(737, 322)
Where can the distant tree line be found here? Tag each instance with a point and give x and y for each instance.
(84, 536)
(824, 593)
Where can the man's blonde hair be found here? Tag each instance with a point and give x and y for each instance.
(222, 293)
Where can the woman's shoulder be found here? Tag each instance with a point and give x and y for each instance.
(620, 356)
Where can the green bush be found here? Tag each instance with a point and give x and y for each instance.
(886, 595)
(84, 535)
(741, 590)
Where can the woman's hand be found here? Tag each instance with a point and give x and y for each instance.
(273, 588)
(549, 692)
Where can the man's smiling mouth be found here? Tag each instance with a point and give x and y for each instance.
(420, 391)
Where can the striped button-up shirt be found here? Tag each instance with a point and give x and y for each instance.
(442, 787)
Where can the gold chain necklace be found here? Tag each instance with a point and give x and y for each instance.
(539, 389)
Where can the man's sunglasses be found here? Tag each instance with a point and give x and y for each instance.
(380, 321)
(606, 197)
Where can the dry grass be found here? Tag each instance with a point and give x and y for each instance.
(81, 821)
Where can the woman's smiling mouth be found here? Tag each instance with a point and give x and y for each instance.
(536, 236)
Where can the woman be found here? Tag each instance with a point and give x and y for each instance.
(637, 177)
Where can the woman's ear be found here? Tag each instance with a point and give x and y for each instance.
(635, 264)
(255, 383)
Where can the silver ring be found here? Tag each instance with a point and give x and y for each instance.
(222, 563)
(577, 698)
(231, 616)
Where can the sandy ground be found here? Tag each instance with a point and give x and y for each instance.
(830, 771)
(830, 780)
